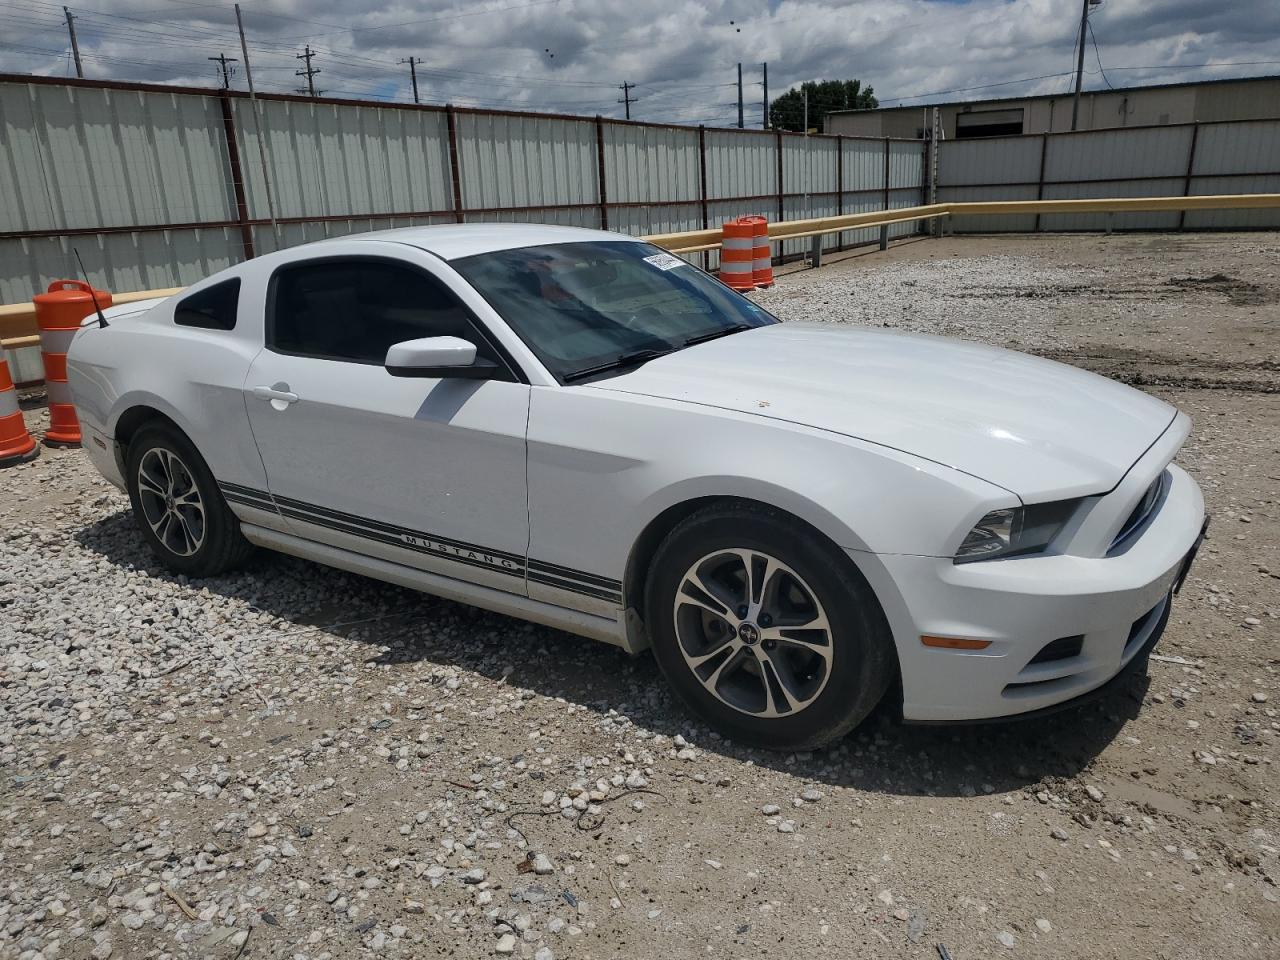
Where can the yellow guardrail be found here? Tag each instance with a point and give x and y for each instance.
(695, 241)
(18, 320)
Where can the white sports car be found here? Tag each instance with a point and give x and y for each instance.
(582, 430)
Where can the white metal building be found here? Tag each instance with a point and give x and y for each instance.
(1253, 98)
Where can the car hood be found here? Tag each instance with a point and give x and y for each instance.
(1040, 429)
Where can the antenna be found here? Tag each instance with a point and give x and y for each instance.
(102, 321)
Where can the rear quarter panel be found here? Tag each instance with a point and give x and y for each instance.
(194, 377)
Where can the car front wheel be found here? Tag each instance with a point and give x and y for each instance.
(178, 507)
(765, 629)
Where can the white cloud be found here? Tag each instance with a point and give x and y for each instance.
(570, 55)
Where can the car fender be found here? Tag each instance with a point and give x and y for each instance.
(603, 466)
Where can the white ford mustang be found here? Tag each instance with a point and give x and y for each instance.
(579, 429)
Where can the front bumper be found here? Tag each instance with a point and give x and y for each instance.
(102, 452)
(1116, 605)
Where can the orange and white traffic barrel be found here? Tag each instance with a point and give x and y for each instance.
(735, 254)
(16, 444)
(761, 255)
(58, 314)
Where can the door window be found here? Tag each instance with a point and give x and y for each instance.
(355, 309)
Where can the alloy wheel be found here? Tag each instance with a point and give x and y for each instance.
(753, 633)
(171, 501)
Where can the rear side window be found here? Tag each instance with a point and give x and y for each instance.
(213, 308)
(354, 310)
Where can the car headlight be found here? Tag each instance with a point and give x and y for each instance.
(1015, 530)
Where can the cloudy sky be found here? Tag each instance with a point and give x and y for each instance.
(571, 55)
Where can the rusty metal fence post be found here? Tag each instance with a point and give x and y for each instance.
(455, 165)
(237, 175)
(603, 193)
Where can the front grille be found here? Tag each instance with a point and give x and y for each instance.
(1150, 500)
(1064, 648)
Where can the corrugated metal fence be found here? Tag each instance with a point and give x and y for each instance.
(1166, 161)
(159, 186)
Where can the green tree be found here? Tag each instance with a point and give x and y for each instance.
(787, 111)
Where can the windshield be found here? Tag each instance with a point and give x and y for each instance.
(585, 308)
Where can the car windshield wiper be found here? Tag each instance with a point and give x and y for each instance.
(716, 334)
(628, 359)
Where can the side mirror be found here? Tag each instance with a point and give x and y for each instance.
(437, 357)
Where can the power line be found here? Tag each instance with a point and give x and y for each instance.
(405, 23)
(1098, 55)
(981, 86)
(1200, 66)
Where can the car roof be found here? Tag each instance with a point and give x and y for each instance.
(454, 240)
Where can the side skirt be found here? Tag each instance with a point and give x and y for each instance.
(608, 629)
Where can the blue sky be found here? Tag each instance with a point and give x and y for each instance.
(571, 55)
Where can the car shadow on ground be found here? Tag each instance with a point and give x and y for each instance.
(402, 626)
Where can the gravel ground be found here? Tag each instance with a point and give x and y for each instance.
(296, 762)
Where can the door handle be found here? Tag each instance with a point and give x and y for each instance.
(271, 393)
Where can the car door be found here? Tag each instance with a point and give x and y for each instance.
(424, 472)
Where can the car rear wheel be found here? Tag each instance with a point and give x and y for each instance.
(765, 629)
(178, 507)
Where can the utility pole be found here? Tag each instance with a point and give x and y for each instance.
(1084, 27)
(222, 59)
(627, 99)
(765, 121)
(310, 72)
(257, 129)
(805, 91)
(739, 96)
(75, 44)
(413, 75)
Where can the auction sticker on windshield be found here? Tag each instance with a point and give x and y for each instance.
(664, 261)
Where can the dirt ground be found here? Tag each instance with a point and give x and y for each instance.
(295, 762)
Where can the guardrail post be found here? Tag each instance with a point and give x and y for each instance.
(884, 237)
(815, 250)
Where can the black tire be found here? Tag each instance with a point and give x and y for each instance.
(221, 546)
(846, 687)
